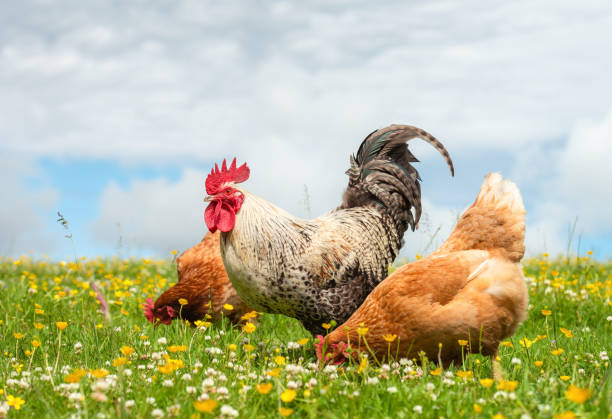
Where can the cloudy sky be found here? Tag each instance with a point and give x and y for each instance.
(112, 112)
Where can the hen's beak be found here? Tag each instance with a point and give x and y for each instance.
(209, 198)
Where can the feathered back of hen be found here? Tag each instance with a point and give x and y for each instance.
(381, 174)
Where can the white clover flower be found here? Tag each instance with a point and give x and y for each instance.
(167, 383)
(448, 381)
(433, 397)
(150, 400)
(430, 386)
(209, 382)
(207, 337)
(525, 416)
(516, 361)
(4, 408)
(372, 380)
(127, 372)
(223, 391)
(227, 410)
(190, 389)
(186, 377)
(78, 346)
(75, 397)
(392, 389)
(544, 408)
(312, 382)
(500, 395)
(157, 413)
(292, 385)
(100, 385)
(609, 318)
(146, 343)
(162, 341)
(385, 367)
(117, 329)
(222, 377)
(417, 409)
(129, 403)
(329, 369)
(603, 355)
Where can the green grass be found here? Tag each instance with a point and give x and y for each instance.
(56, 380)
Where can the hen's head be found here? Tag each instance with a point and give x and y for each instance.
(163, 314)
(336, 353)
(225, 199)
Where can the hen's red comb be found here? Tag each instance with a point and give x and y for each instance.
(217, 177)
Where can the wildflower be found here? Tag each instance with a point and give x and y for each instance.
(206, 406)
(98, 396)
(417, 409)
(486, 382)
(362, 364)
(507, 385)
(515, 361)
(577, 394)
(35, 343)
(564, 377)
(99, 373)
(288, 395)
(465, 374)
(565, 415)
(436, 372)
(509, 344)
(568, 333)
(75, 376)
(15, 402)
(284, 411)
(126, 350)
(38, 325)
(248, 347)
(499, 416)
(177, 348)
(362, 330)
(228, 307)
(477, 408)
(18, 335)
(326, 326)
(546, 312)
(61, 325)
(538, 363)
(162, 341)
(157, 413)
(392, 389)
(232, 347)
(264, 388)
(249, 327)
(303, 341)
(603, 355)
(390, 337)
(183, 301)
(372, 380)
(280, 360)
(557, 352)
(227, 410)
(462, 342)
(119, 361)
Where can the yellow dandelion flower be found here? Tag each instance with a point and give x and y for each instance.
(362, 330)
(232, 347)
(508, 344)
(39, 311)
(546, 312)
(288, 395)
(249, 327)
(557, 352)
(126, 350)
(280, 360)
(326, 326)
(248, 347)
(264, 388)
(228, 307)
(183, 301)
(568, 333)
(390, 337)
(177, 348)
(462, 342)
(39, 326)
(99, 373)
(465, 374)
(205, 406)
(284, 411)
(362, 364)
(577, 394)
(18, 335)
(119, 361)
(507, 385)
(173, 252)
(499, 416)
(565, 415)
(303, 341)
(273, 373)
(486, 382)
(35, 343)
(14, 402)
(477, 408)
(61, 325)
(436, 372)
(538, 363)
(565, 377)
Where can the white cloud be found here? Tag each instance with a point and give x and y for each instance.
(26, 210)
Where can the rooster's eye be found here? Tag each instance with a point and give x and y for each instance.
(228, 191)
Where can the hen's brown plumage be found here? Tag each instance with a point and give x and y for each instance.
(202, 281)
(472, 288)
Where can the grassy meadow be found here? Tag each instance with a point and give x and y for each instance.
(64, 353)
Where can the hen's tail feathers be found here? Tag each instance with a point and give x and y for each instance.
(496, 220)
(381, 174)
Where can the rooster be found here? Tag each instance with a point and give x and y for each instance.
(203, 283)
(321, 269)
(470, 292)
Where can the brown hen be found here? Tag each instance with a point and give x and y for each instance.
(471, 289)
(203, 283)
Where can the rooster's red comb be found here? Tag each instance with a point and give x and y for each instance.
(217, 177)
